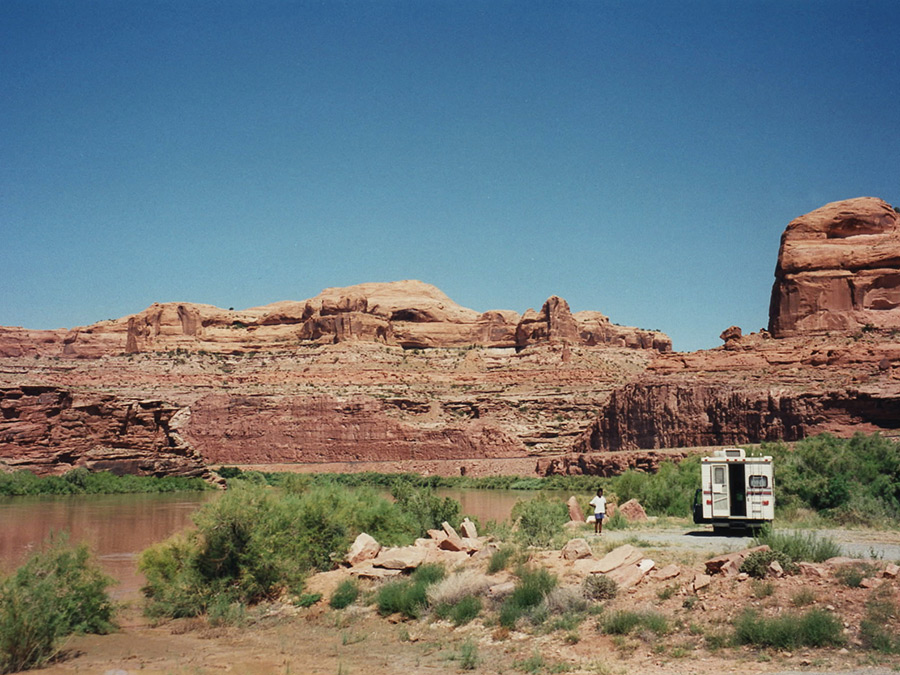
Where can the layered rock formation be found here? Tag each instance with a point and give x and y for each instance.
(410, 314)
(446, 410)
(277, 430)
(48, 429)
(838, 270)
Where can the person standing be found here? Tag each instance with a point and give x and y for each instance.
(599, 504)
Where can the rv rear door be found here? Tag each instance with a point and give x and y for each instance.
(720, 501)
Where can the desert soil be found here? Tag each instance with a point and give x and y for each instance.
(281, 638)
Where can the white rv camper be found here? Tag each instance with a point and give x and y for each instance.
(736, 491)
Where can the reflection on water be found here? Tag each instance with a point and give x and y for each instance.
(488, 504)
(115, 527)
(118, 527)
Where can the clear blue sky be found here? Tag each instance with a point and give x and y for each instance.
(636, 158)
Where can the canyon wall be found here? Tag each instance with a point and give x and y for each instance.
(398, 372)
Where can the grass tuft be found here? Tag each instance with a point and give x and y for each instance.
(814, 628)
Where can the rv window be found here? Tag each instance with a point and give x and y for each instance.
(759, 481)
(719, 474)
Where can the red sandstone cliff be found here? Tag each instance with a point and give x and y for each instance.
(48, 429)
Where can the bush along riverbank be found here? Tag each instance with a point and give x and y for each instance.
(81, 481)
(853, 481)
(57, 592)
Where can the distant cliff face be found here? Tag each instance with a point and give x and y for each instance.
(409, 314)
(398, 372)
(838, 270)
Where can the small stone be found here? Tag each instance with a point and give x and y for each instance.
(576, 549)
(701, 581)
(500, 590)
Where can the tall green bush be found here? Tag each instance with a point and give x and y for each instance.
(539, 520)
(57, 592)
(668, 492)
(855, 480)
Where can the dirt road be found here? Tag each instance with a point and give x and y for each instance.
(876, 544)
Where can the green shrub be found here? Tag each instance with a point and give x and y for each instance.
(460, 613)
(539, 520)
(624, 622)
(757, 563)
(853, 574)
(616, 521)
(803, 597)
(531, 589)
(253, 543)
(599, 587)
(762, 589)
(814, 628)
(424, 507)
(83, 481)
(408, 597)
(307, 599)
(428, 574)
(669, 491)
(57, 592)
(345, 594)
(224, 611)
(500, 559)
(468, 655)
(798, 546)
(854, 480)
(875, 630)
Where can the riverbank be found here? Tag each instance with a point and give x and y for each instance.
(283, 638)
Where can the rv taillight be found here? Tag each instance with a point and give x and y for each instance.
(708, 502)
(765, 502)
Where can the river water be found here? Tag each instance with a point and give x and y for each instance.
(118, 527)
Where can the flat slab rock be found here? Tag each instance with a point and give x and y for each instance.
(631, 575)
(402, 558)
(618, 557)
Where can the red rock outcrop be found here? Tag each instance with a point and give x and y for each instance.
(555, 323)
(756, 389)
(51, 430)
(605, 464)
(410, 314)
(838, 270)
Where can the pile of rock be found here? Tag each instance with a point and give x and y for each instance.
(369, 560)
(625, 565)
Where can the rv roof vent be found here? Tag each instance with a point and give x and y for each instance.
(734, 452)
